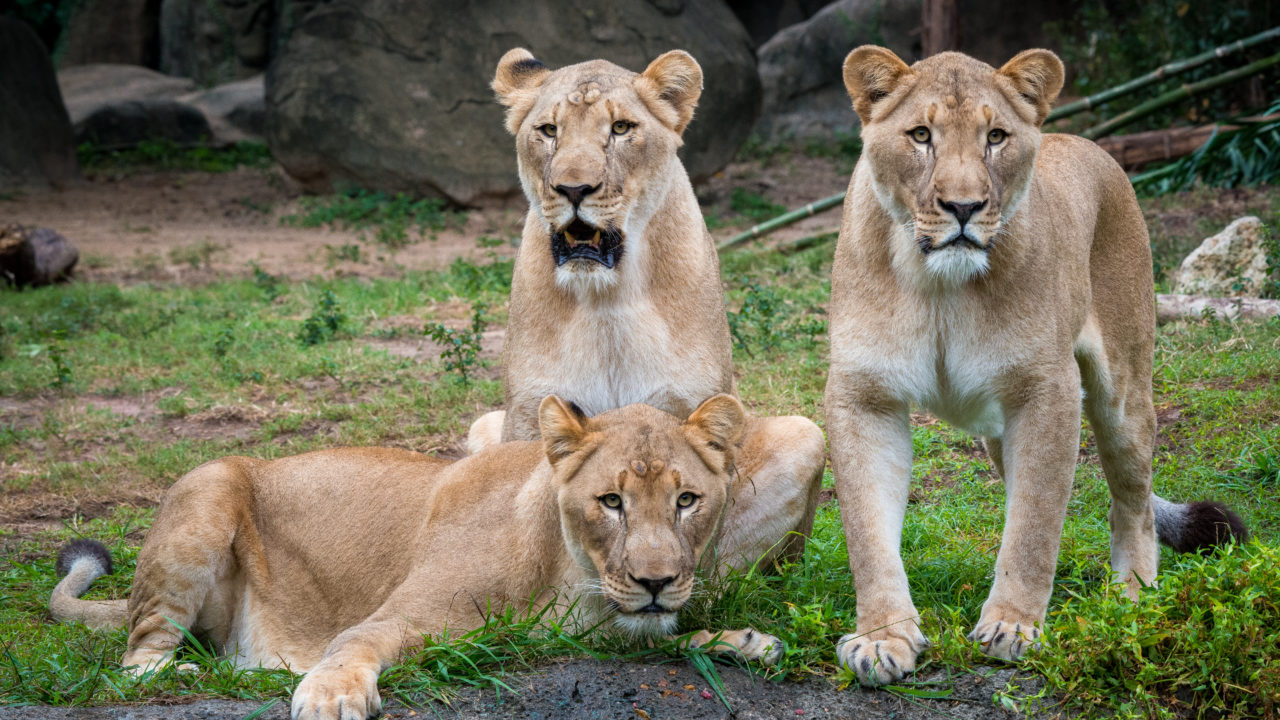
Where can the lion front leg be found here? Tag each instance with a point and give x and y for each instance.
(775, 492)
(344, 684)
(871, 459)
(1040, 446)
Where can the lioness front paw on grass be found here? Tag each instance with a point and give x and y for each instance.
(337, 693)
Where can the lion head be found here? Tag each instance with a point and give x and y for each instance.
(641, 496)
(595, 144)
(951, 144)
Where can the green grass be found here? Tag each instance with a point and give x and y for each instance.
(220, 369)
(391, 218)
(168, 155)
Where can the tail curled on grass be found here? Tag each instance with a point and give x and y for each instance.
(1197, 526)
(81, 562)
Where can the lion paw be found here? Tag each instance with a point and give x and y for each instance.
(1006, 638)
(882, 656)
(337, 694)
(749, 644)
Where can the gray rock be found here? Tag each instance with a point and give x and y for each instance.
(215, 41)
(36, 144)
(394, 94)
(112, 31)
(801, 66)
(236, 111)
(1231, 263)
(118, 106)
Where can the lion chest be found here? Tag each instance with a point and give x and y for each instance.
(619, 354)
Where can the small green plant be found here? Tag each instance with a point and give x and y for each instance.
(270, 285)
(460, 349)
(325, 322)
(753, 206)
(390, 217)
(196, 255)
(62, 374)
(758, 322)
(489, 242)
(349, 252)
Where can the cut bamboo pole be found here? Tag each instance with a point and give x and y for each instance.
(1173, 96)
(1164, 71)
(812, 208)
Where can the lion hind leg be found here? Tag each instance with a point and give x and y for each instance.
(190, 554)
(775, 493)
(485, 431)
(748, 643)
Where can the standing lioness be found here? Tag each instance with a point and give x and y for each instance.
(335, 562)
(987, 272)
(616, 295)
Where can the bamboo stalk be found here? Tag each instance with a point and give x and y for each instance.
(1160, 73)
(812, 208)
(1176, 95)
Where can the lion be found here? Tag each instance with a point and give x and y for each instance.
(989, 273)
(271, 560)
(616, 294)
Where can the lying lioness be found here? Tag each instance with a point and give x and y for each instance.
(336, 562)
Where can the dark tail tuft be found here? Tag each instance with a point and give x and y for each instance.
(1199, 526)
(84, 549)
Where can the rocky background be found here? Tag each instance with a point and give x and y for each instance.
(393, 95)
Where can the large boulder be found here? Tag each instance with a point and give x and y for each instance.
(216, 41)
(35, 133)
(1231, 263)
(236, 111)
(35, 256)
(801, 66)
(118, 106)
(394, 94)
(112, 31)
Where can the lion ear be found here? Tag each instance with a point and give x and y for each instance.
(563, 427)
(870, 74)
(516, 83)
(714, 429)
(671, 86)
(1037, 75)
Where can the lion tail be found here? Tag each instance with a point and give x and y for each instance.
(1197, 526)
(81, 562)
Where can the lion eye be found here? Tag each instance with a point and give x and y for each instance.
(686, 499)
(620, 127)
(549, 130)
(613, 501)
(997, 136)
(920, 134)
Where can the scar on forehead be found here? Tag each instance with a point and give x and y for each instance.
(932, 114)
(587, 92)
(987, 113)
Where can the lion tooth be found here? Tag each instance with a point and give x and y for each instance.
(568, 236)
(596, 240)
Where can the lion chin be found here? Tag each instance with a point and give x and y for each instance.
(646, 624)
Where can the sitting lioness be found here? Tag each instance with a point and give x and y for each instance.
(336, 562)
(987, 273)
(616, 294)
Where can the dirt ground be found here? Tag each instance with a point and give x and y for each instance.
(590, 689)
(189, 227)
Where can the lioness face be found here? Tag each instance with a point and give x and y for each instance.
(951, 143)
(641, 496)
(591, 139)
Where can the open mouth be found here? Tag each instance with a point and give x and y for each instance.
(962, 240)
(582, 241)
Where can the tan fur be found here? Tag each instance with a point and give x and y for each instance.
(652, 329)
(336, 562)
(996, 334)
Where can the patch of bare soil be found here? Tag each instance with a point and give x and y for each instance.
(793, 180)
(193, 227)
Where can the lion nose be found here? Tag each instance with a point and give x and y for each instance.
(962, 211)
(654, 585)
(575, 193)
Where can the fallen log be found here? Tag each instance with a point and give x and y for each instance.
(1170, 308)
(1134, 151)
